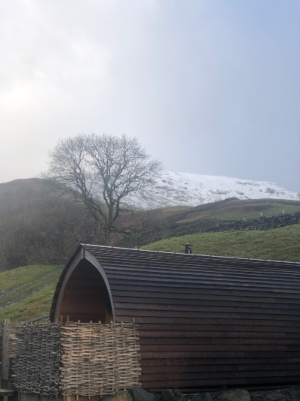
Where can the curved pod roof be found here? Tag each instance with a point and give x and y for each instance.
(203, 321)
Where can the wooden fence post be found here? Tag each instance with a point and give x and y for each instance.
(5, 349)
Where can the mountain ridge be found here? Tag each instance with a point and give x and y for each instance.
(184, 189)
(188, 189)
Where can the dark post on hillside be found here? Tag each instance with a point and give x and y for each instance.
(188, 248)
(5, 351)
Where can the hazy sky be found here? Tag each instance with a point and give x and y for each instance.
(207, 86)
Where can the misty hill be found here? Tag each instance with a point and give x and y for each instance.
(231, 214)
(183, 189)
(277, 244)
(26, 292)
(235, 209)
(176, 189)
(40, 224)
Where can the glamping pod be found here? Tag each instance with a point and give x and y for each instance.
(203, 321)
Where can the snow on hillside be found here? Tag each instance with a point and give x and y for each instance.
(175, 189)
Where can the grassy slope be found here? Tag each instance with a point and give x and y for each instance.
(27, 292)
(236, 209)
(228, 209)
(279, 244)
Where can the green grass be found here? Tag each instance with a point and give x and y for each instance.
(28, 288)
(235, 209)
(172, 209)
(278, 244)
(35, 301)
(25, 275)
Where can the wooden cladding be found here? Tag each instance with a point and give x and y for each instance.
(203, 321)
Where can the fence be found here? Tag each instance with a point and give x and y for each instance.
(37, 359)
(82, 359)
(99, 359)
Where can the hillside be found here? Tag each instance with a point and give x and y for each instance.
(26, 292)
(183, 189)
(177, 189)
(40, 224)
(227, 215)
(278, 244)
(234, 209)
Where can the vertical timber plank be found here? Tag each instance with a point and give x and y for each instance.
(5, 349)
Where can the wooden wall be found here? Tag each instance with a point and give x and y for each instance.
(206, 321)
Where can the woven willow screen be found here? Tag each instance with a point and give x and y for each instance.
(76, 358)
(37, 359)
(99, 359)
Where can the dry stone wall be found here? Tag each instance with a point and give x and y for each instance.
(260, 223)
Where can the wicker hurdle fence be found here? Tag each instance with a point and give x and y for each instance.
(99, 359)
(81, 359)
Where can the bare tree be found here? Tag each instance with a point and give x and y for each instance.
(101, 171)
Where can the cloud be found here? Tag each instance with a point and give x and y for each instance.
(206, 86)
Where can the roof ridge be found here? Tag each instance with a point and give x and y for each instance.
(192, 254)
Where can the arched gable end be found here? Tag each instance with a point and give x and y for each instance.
(83, 292)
